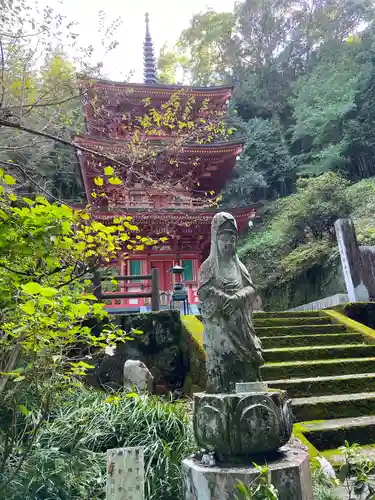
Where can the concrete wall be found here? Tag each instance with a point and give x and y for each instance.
(325, 303)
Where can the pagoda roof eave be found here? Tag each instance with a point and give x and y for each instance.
(157, 87)
(177, 218)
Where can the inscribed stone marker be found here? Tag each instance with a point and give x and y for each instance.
(125, 479)
(351, 260)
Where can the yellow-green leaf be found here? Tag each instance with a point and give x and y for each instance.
(89, 296)
(48, 291)
(113, 400)
(98, 181)
(8, 179)
(31, 288)
(42, 200)
(108, 171)
(115, 180)
(132, 395)
(28, 307)
(22, 409)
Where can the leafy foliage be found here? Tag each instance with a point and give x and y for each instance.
(265, 168)
(356, 473)
(67, 460)
(304, 103)
(298, 244)
(260, 488)
(48, 253)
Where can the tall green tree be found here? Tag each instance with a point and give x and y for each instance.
(204, 52)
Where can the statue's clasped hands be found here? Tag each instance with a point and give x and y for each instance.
(231, 304)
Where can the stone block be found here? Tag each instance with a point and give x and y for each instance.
(137, 376)
(242, 424)
(290, 474)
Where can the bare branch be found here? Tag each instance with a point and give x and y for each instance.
(13, 164)
(2, 73)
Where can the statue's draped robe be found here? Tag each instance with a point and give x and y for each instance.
(233, 351)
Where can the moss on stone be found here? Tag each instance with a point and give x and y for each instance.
(298, 432)
(323, 339)
(349, 405)
(320, 371)
(299, 369)
(160, 347)
(263, 331)
(351, 325)
(291, 321)
(319, 352)
(194, 327)
(328, 440)
(319, 386)
(195, 380)
(363, 312)
(286, 314)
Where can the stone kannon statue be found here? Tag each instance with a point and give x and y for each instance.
(227, 296)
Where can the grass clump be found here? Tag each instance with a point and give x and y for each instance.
(323, 486)
(67, 461)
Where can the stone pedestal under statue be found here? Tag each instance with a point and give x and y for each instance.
(240, 429)
(242, 424)
(289, 469)
(238, 421)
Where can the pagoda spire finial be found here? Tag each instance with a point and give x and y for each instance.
(148, 56)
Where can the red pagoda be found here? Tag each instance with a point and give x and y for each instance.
(184, 220)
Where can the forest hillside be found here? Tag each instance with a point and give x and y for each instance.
(304, 100)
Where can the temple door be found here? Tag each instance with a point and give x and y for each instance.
(165, 278)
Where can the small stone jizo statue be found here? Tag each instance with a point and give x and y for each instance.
(227, 296)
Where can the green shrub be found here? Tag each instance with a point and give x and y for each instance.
(68, 458)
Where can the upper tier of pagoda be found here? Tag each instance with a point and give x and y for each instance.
(112, 107)
(189, 173)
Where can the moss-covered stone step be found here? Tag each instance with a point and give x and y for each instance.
(320, 386)
(326, 367)
(308, 320)
(331, 434)
(334, 406)
(288, 314)
(335, 456)
(266, 331)
(309, 340)
(319, 352)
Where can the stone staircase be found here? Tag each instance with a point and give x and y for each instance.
(327, 365)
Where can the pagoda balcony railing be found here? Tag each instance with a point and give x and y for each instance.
(159, 205)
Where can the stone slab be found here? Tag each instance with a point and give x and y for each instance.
(243, 387)
(125, 469)
(351, 261)
(290, 474)
(137, 376)
(326, 303)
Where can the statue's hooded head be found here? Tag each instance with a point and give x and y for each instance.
(224, 234)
